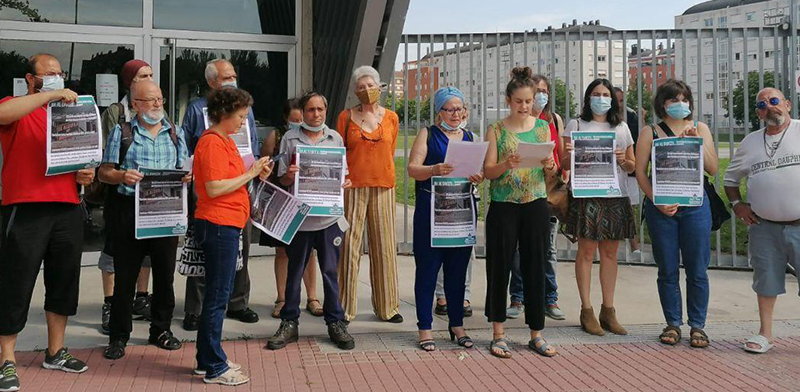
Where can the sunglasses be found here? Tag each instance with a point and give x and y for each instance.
(774, 101)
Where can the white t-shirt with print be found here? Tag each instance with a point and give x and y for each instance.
(624, 140)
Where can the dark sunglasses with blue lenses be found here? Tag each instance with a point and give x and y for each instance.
(772, 101)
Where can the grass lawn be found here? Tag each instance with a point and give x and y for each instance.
(725, 232)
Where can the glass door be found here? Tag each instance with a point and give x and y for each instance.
(266, 71)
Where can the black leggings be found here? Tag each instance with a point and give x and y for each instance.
(510, 226)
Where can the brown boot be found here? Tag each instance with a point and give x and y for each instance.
(608, 320)
(589, 322)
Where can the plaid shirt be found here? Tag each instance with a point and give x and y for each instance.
(146, 152)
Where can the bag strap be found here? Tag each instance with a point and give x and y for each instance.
(121, 116)
(125, 142)
(347, 126)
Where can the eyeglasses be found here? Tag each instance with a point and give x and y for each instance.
(151, 100)
(453, 110)
(774, 101)
(63, 75)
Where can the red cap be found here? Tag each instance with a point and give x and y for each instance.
(130, 69)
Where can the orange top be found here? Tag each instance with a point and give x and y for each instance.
(217, 158)
(370, 156)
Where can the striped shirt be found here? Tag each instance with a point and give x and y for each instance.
(146, 151)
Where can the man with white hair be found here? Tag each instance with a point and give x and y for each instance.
(219, 73)
(770, 161)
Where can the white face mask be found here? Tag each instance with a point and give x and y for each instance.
(295, 125)
(313, 129)
(52, 83)
(230, 83)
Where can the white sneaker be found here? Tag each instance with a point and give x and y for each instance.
(231, 378)
(231, 366)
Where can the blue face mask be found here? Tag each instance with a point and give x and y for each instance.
(295, 126)
(153, 120)
(541, 100)
(679, 110)
(600, 105)
(313, 129)
(447, 127)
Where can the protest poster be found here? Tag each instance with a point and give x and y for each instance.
(594, 165)
(677, 171)
(161, 204)
(241, 138)
(275, 211)
(452, 213)
(319, 181)
(73, 136)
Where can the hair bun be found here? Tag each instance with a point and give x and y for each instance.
(521, 73)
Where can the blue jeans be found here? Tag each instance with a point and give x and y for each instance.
(220, 245)
(686, 235)
(551, 287)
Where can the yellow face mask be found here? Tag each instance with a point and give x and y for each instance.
(369, 96)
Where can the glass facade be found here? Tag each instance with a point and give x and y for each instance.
(125, 13)
(230, 16)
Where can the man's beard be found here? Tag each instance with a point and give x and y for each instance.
(775, 120)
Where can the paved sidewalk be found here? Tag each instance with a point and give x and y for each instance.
(391, 362)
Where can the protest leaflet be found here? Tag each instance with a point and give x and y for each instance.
(532, 154)
(73, 136)
(594, 165)
(161, 204)
(319, 181)
(465, 157)
(678, 171)
(452, 213)
(275, 211)
(241, 138)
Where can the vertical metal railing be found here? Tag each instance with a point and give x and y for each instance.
(479, 64)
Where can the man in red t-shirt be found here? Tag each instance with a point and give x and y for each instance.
(42, 221)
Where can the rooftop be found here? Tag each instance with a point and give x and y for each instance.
(713, 5)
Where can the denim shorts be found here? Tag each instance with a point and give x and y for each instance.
(772, 246)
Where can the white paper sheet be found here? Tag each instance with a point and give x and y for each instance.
(532, 154)
(465, 157)
(107, 89)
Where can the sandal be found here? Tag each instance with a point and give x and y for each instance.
(542, 348)
(505, 352)
(276, 311)
(463, 341)
(314, 310)
(699, 339)
(759, 340)
(670, 332)
(427, 345)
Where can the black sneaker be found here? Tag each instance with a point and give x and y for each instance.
(115, 350)
(191, 322)
(396, 319)
(245, 315)
(64, 361)
(286, 333)
(9, 380)
(338, 333)
(165, 340)
(141, 306)
(105, 319)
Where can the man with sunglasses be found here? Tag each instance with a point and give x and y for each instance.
(148, 141)
(42, 223)
(770, 161)
(219, 73)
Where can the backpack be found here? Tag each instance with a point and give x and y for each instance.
(96, 192)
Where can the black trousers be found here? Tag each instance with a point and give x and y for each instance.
(129, 254)
(36, 233)
(510, 226)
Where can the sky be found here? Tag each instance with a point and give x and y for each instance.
(459, 16)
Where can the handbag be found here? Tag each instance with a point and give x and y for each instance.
(558, 194)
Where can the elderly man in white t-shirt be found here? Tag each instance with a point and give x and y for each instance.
(770, 161)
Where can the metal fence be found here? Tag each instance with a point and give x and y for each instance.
(713, 61)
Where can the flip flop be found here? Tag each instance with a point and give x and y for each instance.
(276, 311)
(762, 342)
(541, 349)
(505, 351)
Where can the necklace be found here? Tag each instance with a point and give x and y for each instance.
(772, 150)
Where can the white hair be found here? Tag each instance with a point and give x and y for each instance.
(364, 71)
(212, 72)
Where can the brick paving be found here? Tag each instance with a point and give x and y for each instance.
(391, 362)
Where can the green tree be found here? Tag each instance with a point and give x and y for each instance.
(752, 91)
(560, 89)
(24, 7)
(632, 100)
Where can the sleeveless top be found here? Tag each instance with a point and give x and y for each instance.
(437, 149)
(519, 185)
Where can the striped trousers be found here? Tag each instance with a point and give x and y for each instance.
(374, 207)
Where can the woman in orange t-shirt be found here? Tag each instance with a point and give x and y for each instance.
(370, 135)
(223, 208)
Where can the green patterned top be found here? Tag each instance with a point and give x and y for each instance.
(519, 185)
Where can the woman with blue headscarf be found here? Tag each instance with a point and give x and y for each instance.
(426, 161)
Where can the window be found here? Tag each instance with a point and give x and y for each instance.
(693, 60)
(660, 74)
(617, 45)
(723, 21)
(601, 44)
(125, 13)
(708, 22)
(753, 56)
(618, 74)
(708, 60)
(601, 58)
(767, 54)
(750, 16)
(231, 16)
(709, 95)
(737, 56)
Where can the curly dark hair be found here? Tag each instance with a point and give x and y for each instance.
(613, 116)
(671, 89)
(225, 101)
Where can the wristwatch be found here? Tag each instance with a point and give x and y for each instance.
(734, 203)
